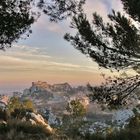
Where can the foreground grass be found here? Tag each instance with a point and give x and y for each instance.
(127, 134)
(18, 130)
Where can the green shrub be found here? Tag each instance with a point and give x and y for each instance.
(16, 128)
(126, 134)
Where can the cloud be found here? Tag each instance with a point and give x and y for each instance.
(30, 62)
(116, 5)
(26, 52)
(65, 65)
(44, 24)
(96, 6)
(102, 7)
(32, 59)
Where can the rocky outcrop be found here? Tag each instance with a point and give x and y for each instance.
(37, 119)
(38, 90)
(56, 96)
(36, 86)
(64, 87)
(3, 101)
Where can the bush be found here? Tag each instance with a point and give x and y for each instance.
(3, 115)
(126, 134)
(15, 129)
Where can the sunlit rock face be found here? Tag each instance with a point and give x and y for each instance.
(3, 101)
(64, 87)
(36, 86)
(38, 119)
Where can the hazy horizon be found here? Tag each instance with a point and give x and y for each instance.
(10, 88)
(46, 56)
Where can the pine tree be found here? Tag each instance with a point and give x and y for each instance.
(113, 45)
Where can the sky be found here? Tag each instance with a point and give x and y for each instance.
(46, 56)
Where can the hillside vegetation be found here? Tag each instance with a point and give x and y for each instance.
(19, 120)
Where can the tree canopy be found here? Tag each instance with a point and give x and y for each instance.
(75, 108)
(16, 17)
(113, 45)
(59, 10)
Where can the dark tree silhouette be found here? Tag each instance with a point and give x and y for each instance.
(113, 45)
(17, 16)
(58, 10)
(115, 92)
(132, 8)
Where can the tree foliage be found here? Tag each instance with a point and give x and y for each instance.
(16, 18)
(13, 103)
(132, 8)
(16, 104)
(115, 92)
(58, 10)
(3, 115)
(75, 108)
(113, 45)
